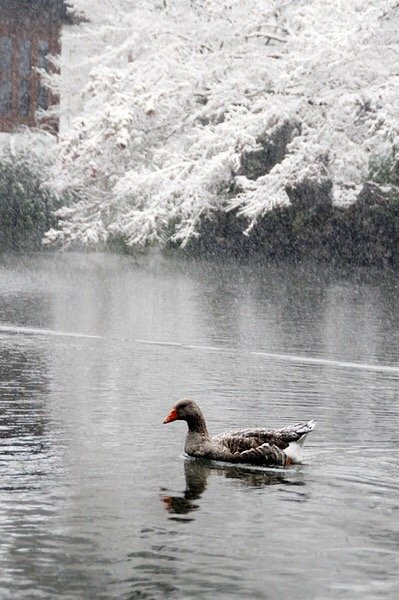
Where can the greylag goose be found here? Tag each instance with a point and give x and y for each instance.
(264, 447)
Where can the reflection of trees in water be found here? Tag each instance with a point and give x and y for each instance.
(297, 307)
(282, 302)
(23, 384)
(27, 308)
(23, 454)
(196, 473)
(38, 550)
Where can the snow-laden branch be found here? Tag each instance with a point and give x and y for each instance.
(181, 99)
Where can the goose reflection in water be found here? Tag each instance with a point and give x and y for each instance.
(197, 471)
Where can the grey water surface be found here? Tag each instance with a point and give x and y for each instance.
(96, 498)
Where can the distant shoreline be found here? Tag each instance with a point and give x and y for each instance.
(359, 235)
(365, 234)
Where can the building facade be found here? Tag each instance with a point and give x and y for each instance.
(30, 33)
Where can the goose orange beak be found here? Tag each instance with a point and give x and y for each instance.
(172, 416)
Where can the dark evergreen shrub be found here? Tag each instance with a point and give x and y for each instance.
(26, 204)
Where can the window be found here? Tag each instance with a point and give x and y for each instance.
(25, 70)
(5, 75)
(42, 63)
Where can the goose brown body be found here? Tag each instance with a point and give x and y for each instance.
(266, 447)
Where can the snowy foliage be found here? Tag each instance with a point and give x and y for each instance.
(26, 203)
(182, 91)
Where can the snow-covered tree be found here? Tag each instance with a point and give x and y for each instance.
(184, 93)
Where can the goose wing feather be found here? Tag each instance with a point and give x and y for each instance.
(266, 455)
(246, 439)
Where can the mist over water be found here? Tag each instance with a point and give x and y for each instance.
(96, 499)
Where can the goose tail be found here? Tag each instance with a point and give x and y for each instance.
(295, 449)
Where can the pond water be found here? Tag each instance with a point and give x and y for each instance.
(96, 498)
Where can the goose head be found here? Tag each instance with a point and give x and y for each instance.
(189, 411)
